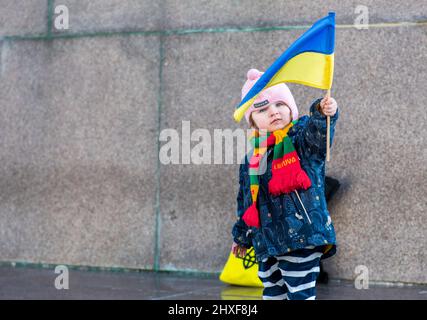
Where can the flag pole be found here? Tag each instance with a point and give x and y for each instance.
(328, 129)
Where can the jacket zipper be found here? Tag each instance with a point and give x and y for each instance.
(299, 199)
(305, 211)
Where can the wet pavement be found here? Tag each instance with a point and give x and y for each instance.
(39, 283)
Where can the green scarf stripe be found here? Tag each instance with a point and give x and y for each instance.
(283, 148)
(253, 179)
(256, 141)
(288, 146)
(278, 152)
(253, 171)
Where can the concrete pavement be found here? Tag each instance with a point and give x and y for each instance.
(39, 283)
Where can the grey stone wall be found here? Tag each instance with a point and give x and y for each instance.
(82, 110)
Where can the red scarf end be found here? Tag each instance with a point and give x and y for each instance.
(251, 216)
(281, 183)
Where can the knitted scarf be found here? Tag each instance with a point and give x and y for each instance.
(287, 174)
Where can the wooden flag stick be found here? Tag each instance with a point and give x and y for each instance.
(328, 129)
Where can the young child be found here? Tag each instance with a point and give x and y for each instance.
(281, 205)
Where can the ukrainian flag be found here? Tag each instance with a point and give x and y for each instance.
(308, 61)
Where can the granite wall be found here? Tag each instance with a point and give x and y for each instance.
(82, 111)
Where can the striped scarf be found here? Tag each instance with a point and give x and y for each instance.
(287, 174)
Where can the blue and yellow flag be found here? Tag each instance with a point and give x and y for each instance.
(308, 61)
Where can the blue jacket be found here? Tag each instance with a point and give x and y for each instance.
(284, 224)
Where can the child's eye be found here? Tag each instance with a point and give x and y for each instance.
(262, 110)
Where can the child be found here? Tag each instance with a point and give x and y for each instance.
(281, 205)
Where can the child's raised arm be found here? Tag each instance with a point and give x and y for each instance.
(311, 131)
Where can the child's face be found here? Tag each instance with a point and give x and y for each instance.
(276, 116)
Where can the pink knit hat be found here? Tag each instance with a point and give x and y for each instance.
(278, 92)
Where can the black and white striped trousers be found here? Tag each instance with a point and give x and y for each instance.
(291, 276)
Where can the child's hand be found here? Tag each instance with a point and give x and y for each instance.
(328, 106)
(238, 251)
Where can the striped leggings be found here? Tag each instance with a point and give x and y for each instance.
(291, 276)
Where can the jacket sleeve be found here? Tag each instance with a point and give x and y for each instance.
(311, 136)
(241, 233)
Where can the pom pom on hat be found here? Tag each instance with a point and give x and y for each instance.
(253, 74)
